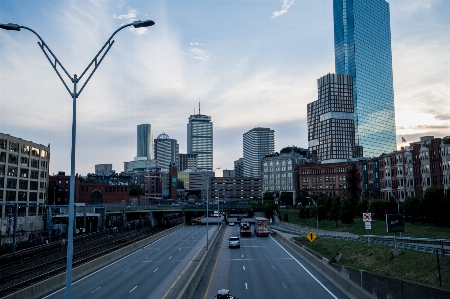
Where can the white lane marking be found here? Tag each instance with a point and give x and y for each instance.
(273, 267)
(155, 270)
(243, 267)
(170, 257)
(113, 263)
(284, 285)
(246, 286)
(305, 269)
(127, 270)
(133, 289)
(95, 290)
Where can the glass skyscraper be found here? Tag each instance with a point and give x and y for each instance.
(145, 141)
(200, 140)
(166, 151)
(362, 41)
(257, 143)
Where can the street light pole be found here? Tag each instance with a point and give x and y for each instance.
(317, 212)
(206, 180)
(55, 63)
(218, 207)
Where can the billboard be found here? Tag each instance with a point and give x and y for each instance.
(394, 223)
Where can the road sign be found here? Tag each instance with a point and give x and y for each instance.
(367, 216)
(311, 236)
(368, 225)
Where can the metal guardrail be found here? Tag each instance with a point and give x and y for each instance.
(212, 207)
(411, 243)
(386, 240)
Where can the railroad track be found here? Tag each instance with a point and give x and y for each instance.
(18, 274)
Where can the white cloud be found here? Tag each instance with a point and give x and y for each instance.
(131, 15)
(196, 44)
(197, 53)
(412, 6)
(284, 9)
(139, 31)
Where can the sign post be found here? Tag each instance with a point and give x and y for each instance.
(367, 217)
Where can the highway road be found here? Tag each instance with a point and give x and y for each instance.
(158, 270)
(262, 268)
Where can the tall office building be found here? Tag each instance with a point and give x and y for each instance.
(362, 41)
(166, 151)
(239, 167)
(187, 161)
(331, 124)
(200, 140)
(145, 141)
(257, 143)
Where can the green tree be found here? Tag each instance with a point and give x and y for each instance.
(301, 196)
(91, 180)
(136, 190)
(361, 207)
(376, 206)
(322, 213)
(334, 211)
(411, 207)
(268, 196)
(329, 203)
(286, 198)
(391, 206)
(346, 213)
(302, 213)
(312, 212)
(433, 205)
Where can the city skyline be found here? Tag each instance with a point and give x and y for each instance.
(250, 63)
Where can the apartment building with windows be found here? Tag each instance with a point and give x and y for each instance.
(24, 167)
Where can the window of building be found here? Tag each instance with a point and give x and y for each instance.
(12, 171)
(13, 147)
(25, 149)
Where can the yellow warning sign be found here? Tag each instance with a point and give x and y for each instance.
(311, 236)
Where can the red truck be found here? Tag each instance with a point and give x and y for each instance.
(261, 226)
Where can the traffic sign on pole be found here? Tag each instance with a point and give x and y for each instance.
(367, 217)
(311, 236)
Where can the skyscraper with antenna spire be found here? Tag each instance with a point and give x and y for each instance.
(200, 139)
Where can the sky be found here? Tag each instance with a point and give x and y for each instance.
(249, 63)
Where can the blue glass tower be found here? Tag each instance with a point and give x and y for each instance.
(362, 42)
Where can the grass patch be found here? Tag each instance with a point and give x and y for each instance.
(410, 265)
(418, 230)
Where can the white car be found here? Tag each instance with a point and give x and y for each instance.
(234, 242)
(231, 223)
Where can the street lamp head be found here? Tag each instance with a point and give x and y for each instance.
(10, 26)
(140, 24)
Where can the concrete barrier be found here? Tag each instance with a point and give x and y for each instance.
(193, 281)
(58, 281)
(362, 284)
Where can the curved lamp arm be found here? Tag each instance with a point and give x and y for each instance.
(96, 61)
